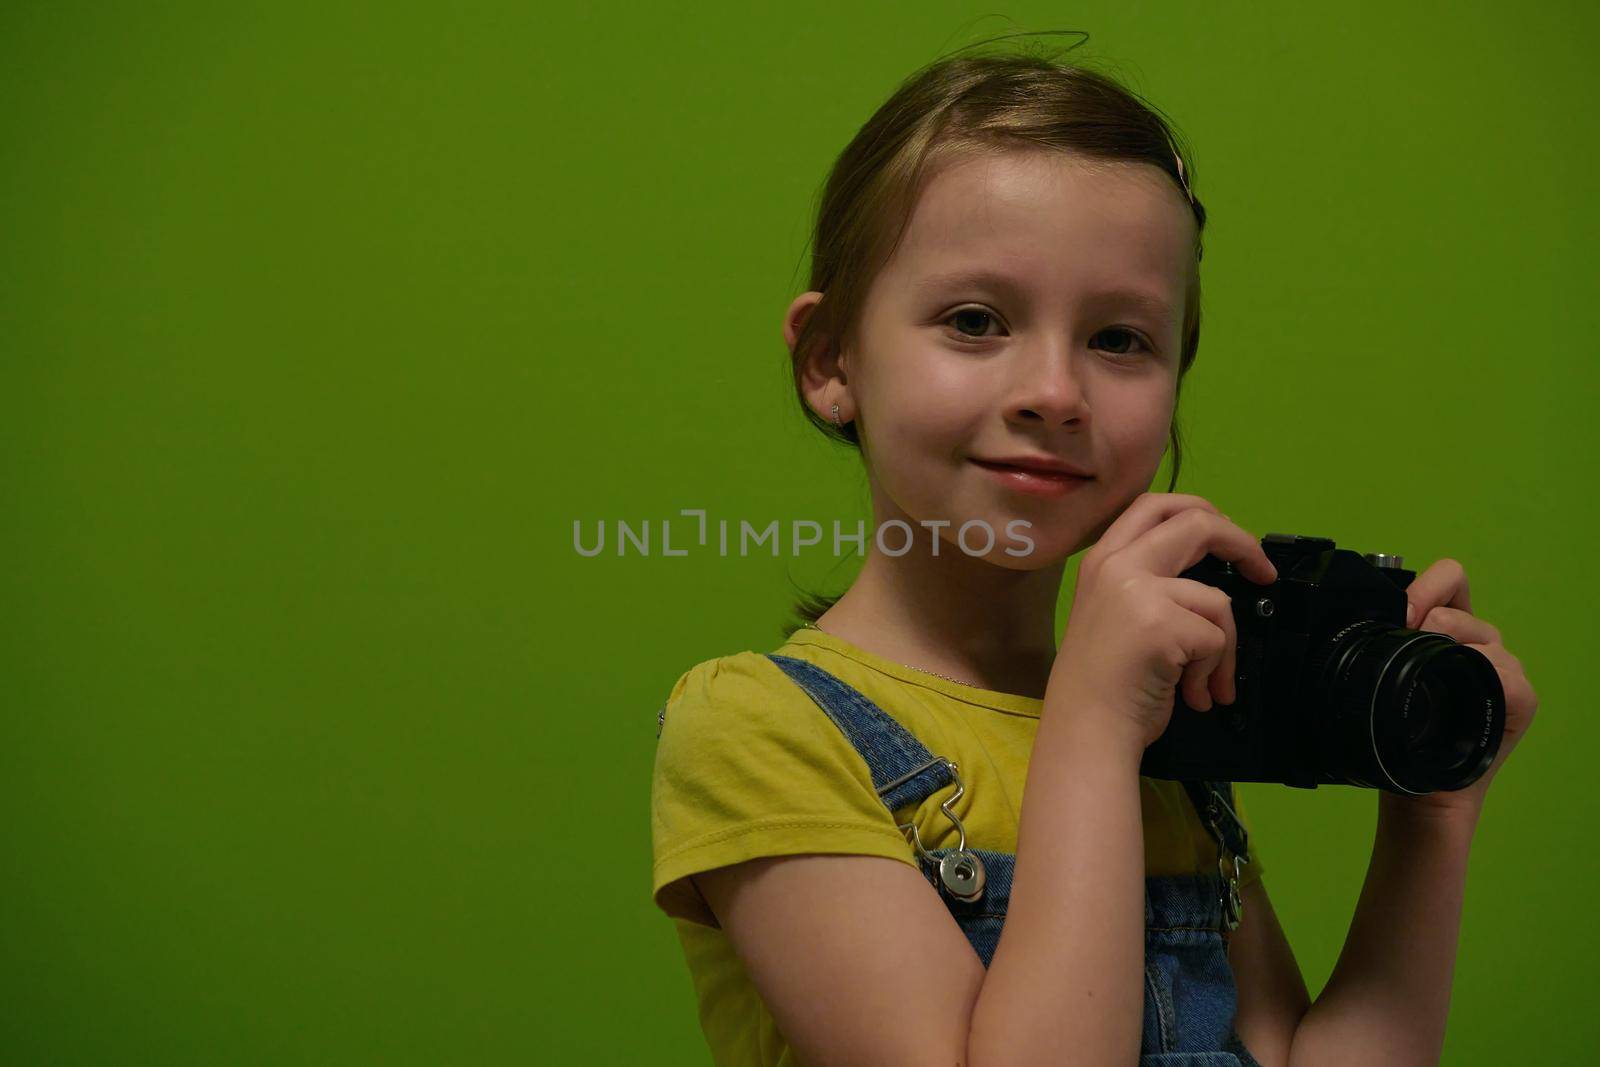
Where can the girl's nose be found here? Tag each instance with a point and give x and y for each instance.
(1047, 388)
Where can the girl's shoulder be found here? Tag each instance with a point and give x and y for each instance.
(739, 688)
(741, 714)
(747, 766)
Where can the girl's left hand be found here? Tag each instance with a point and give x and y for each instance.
(1439, 603)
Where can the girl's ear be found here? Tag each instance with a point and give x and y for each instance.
(795, 318)
(821, 370)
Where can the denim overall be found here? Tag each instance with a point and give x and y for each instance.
(1189, 996)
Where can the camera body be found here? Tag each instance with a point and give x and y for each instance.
(1333, 688)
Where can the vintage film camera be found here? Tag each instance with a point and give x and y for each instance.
(1332, 686)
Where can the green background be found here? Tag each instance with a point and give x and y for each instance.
(320, 324)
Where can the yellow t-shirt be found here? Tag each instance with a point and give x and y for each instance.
(748, 765)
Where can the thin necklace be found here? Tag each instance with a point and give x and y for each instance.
(908, 666)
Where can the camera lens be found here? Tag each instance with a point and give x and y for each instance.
(1439, 723)
(1409, 711)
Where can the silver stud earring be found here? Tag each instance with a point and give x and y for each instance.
(836, 421)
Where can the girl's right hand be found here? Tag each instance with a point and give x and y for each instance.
(1137, 630)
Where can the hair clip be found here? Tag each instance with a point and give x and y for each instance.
(1183, 179)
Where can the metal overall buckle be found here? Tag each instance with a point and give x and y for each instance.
(1228, 864)
(1232, 901)
(960, 872)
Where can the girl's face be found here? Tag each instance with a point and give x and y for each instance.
(1034, 308)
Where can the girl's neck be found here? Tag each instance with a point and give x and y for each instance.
(954, 615)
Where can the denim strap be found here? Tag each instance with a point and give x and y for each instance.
(890, 750)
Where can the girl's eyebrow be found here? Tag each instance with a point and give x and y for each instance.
(979, 278)
(1001, 282)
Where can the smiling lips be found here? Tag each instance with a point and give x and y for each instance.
(1047, 464)
(1038, 476)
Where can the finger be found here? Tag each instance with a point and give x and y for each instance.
(1216, 674)
(1504, 663)
(1442, 585)
(1225, 682)
(1512, 677)
(1184, 539)
(1193, 687)
(1522, 702)
(1463, 626)
(1148, 511)
(1207, 677)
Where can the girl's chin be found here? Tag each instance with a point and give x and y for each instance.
(1036, 558)
(1016, 546)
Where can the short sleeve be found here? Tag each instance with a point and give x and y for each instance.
(748, 765)
(1251, 872)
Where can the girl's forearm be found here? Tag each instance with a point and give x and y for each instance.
(1067, 979)
(1389, 995)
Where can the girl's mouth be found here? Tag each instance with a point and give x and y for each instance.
(1031, 480)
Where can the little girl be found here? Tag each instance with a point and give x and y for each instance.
(916, 832)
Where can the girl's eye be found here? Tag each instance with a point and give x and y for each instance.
(1127, 333)
(978, 317)
(970, 314)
